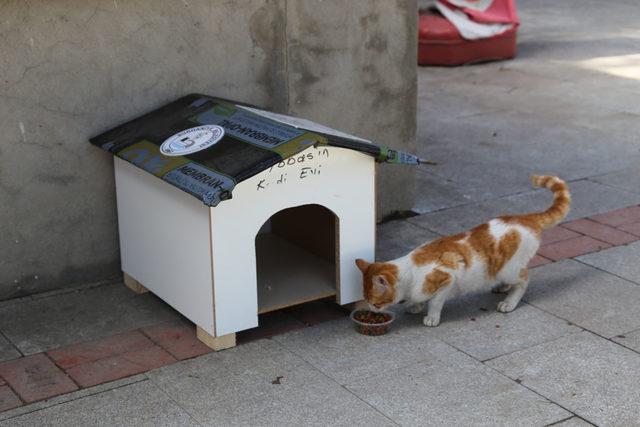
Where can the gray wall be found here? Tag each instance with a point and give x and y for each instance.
(70, 69)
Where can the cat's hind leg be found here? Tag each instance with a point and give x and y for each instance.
(518, 288)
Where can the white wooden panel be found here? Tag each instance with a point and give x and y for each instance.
(338, 179)
(165, 242)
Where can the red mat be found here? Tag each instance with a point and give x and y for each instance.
(440, 43)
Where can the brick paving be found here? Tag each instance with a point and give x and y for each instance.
(36, 377)
(8, 399)
(601, 232)
(572, 248)
(178, 338)
(120, 366)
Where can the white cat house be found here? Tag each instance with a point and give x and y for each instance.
(225, 212)
(264, 249)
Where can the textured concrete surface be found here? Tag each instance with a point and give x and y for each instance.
(587, 297)
(593, 378)
(455, 390)
(472, 325)
(629, 339)
(464, 217)
(141, 403)
(397, 238)
(72, 70)
(236, 387)
(354, 68)
(335, 348)
(7, 350)
(628, 180)
(46, 323)
(64, 398)
(573, 422)
(621, 261)
(564, 106)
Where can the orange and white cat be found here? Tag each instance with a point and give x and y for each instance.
(494, 254)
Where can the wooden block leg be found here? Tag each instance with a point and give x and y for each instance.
(134, 285)
(216, 343)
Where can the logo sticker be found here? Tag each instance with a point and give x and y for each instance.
(192, 140)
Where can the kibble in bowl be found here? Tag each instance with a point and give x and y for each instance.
(371, 322)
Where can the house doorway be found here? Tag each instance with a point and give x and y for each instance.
(297, 253)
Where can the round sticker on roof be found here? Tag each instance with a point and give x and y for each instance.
(192, 140)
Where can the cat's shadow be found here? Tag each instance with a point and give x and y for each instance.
(460, 308)
(482, 304)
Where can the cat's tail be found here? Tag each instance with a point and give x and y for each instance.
(561, 200)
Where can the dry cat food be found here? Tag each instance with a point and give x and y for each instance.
(372, 323)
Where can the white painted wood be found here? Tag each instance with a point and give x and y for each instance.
(345, 185)
(165, 242)
(165, 235)
(288, 275)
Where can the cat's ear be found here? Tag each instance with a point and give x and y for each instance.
(380, 284)
(362, 264)
(451, 259)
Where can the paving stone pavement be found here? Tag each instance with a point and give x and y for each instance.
(590, 298)
(44, 323)
(594, 378)
(141, 403)
(568, 356)
(7, 350)
(623, 261)
(261, 383)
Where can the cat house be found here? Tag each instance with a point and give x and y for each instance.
(226, 211)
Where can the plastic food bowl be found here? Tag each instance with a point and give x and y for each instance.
(366, 328)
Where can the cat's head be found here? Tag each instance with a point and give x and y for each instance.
(379, 281)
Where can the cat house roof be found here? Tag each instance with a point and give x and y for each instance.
(205, 145)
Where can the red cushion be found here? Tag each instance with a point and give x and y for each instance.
(436, 27)
(441, 44)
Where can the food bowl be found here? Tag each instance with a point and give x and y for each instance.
(372, 323)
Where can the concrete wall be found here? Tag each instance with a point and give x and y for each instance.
(70, 69)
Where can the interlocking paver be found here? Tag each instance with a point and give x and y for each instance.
(7, 350)
(571, 248)
(120, 366)
(469, 324)
(178, 338)
(261, 383)
(140, 404)
(633, 228)
(622, 261)
(619, 217)
(600, 232)
(77, 354)
(538, 260)
(8, 399)
(590, 298)
(590, 376)
(47, 323)
(557, 234)
(36, 377)
(454, 389)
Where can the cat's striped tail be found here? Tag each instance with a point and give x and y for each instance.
(561, 200)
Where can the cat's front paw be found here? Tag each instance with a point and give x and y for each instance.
(431, 320)
(506, 307)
